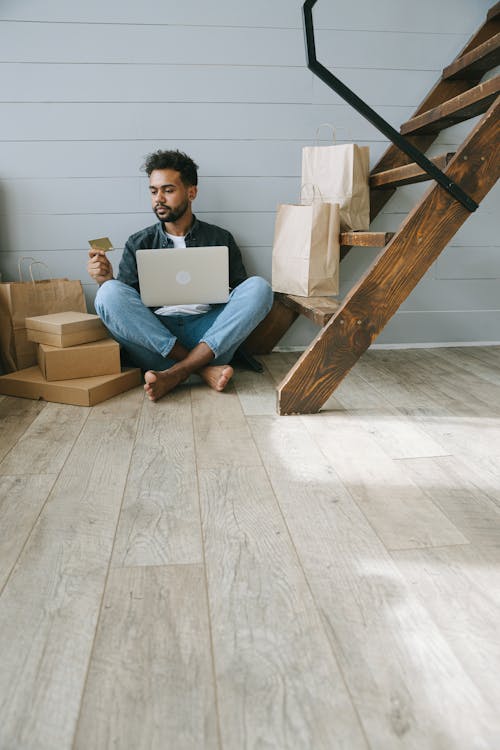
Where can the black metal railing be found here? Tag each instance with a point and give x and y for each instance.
(375, 119)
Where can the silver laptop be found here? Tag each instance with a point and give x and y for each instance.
(183, 276)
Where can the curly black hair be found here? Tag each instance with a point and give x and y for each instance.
(176, 160)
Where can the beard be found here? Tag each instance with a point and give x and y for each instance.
(169, 215)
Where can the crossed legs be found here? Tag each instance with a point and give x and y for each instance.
(171, 348)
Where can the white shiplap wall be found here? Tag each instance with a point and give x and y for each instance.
(89, 88)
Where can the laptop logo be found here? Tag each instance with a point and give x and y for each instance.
(183, 277)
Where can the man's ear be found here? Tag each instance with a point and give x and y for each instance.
(192, 192)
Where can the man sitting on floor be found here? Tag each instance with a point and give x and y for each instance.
(171, 343)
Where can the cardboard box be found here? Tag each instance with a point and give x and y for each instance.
(65, 329)
(83, 361)
(30, 383)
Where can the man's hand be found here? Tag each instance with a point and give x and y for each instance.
(99, 267)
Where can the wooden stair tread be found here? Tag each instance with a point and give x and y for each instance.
(406, 175)
(473, 102)
(317, 309)
(476, 62)
(365, 239)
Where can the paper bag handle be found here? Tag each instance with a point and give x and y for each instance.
(36, 263)
(315, 188)
(19, 265)
(334, 132)
(325, 125)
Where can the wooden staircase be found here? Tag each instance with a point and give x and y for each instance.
(349, 327)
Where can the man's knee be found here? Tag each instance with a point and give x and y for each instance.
(107, 295)
(261, 291)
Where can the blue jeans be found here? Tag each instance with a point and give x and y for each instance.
(148, 338)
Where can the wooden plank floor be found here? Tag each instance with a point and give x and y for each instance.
(202, 574)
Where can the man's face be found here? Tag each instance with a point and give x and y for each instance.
(170, 198)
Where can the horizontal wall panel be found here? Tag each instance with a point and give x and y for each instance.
(404, 199)
(466, 294)
(447, 326)
(280, 13)
(427, 15)
(301, 333)
(231, 158)
(115, 43)
(378, 87)
(470, 263)
(56, 122)
(131, 194)
(386, 49)
(258, 261)
(461, 17)
(32, 82)
(42, 233)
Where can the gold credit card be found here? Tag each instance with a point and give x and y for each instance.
(101, 243)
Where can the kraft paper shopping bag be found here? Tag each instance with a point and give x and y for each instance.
(341, 173)
(306, 249)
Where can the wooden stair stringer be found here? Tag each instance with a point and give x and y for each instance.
(393, 275)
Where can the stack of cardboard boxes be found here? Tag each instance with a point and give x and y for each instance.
(77, 362)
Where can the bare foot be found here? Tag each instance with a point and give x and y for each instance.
(217, 376)
(157, 384)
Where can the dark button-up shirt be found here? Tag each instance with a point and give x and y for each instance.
(200, 234)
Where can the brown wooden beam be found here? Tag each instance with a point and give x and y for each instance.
(475, 63)
(317, 309)
(365, 239)
(463, 107)
(393, 275)
(407, 175)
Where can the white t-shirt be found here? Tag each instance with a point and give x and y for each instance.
(181, 309)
